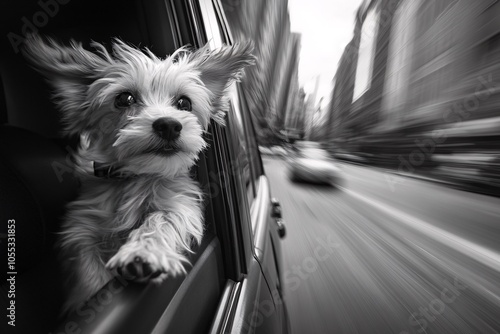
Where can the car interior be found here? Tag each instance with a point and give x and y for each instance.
(37, 180)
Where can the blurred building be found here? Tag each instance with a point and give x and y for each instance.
(295, 121)
(310, 108)
(455, 65)
(371, 39)
(414, 68)
(319, 121)
(287, 89)
(271, 86)
(340, 118)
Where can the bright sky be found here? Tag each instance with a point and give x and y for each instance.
(326, 27)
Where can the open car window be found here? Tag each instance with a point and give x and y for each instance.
(31, 145)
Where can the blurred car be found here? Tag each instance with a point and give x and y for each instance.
(265, 150)
(350, 157)
(477, 172)
(302, 144)
(237, 269)
(277, 151)
(313, 164)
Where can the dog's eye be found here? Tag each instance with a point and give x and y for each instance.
(124, 100)
(183, 103)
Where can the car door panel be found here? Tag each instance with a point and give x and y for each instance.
(178, 305)
(256, 312)
(199, 295)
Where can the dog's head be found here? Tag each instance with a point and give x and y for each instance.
(145, 114)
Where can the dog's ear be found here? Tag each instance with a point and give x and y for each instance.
(218, 68)
(69, 69)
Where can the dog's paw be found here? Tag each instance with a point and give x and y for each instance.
(139, 270)
(141, 265)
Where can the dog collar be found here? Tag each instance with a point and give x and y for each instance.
(109, 171)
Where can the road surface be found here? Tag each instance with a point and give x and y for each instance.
(388, 254)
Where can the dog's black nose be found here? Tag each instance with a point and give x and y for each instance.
(167, 128)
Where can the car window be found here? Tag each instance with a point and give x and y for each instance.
(241, 165)
(253, 147)
(235, 166)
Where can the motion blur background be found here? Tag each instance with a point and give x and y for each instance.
(404, 96)
(416, 88)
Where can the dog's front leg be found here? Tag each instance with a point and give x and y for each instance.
(157, 248)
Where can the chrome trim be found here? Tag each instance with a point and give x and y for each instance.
(209, 14)
(248, 302)
(220, 11)
(226, 310)
(259, 214)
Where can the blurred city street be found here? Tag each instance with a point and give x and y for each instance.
(383, 253)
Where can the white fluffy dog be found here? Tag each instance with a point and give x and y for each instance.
(141, 119)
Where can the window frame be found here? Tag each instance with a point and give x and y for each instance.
(238, 238)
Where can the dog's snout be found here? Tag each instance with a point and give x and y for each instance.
(167, 128)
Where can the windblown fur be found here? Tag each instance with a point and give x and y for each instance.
(141, 220)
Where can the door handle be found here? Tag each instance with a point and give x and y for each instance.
(276, 209)
(281, 228)
(278, 217)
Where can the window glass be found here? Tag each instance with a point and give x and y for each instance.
(253, 147)
(241, 163)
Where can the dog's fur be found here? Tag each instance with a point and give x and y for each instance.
(141, 219)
